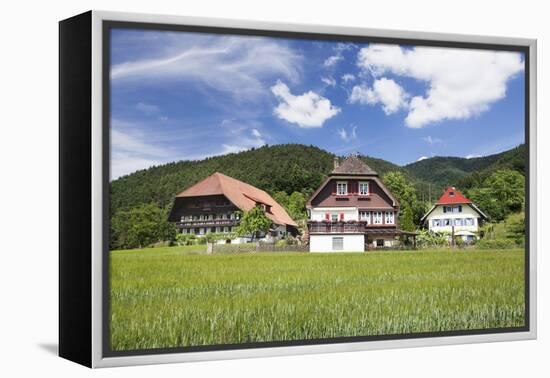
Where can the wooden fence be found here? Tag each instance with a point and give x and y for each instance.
(254, 247)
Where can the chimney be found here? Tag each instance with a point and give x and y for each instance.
(336, 162)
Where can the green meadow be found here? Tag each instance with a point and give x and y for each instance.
(178, 296)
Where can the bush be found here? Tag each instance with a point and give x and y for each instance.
(430, 239)
(495, 244)
(186, 239)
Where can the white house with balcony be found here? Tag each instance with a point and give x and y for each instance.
(352, 211)
(455, 214)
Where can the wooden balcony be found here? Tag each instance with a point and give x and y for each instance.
(208, 223)
(336, 227)
(350, 227)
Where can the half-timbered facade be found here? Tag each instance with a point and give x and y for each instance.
(352, 210)
(213, 205)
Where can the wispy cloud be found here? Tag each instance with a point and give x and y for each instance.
(147, 108)
(348, 77)
(332, 60)
(237, 65)
(431, 140)
(328, 81)
(422, 158)
(348, 136)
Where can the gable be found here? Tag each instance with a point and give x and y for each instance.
(379, 196)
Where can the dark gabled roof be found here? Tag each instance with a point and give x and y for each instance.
(353, 165)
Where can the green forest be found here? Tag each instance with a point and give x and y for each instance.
(141, 201)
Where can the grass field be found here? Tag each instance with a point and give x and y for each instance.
(171, 297)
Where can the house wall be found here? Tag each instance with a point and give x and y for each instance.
(318, 214)
(377, 198)
(467, 212)
(323, 243)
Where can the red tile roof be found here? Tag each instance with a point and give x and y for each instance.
(451, 196)
(242, 195)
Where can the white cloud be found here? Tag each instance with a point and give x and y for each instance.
(244, 143)
(348, 77)
(241, 135)
(384, 91)
(306, 110)
(343, 134)
(131, 152)
(461, 83)
(430, 140)
(422, 158)
(329, 81)
(230, 64)
(472, 156)
(147, 108)
(331, 61)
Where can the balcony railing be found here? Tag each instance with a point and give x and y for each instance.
(208, 222)
(326, 227)
(336, 227)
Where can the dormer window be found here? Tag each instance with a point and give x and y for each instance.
(342, 188)
(451, 194)
(364, 188)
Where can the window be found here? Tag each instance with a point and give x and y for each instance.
(218, 229)
(184, 231)
(446, 222)
(341, 188)
(363, 188)
(458, 222)
(364, 216)
(213, 229)
(451, 194)
(226, 229)
(436, 223)
(379, 242)
(337, 244)
(389, 217)
(469, 221)
(334, 217)
(377, 215)
(201, 231)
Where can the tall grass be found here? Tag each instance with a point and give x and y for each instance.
(170, 297)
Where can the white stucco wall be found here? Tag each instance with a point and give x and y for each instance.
(323, 243)
(350, 213)
(467, 212)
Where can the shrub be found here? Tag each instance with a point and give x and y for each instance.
(495, 244)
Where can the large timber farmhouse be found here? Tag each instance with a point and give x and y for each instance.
(455, 215)
(213, 205)
(352, 210)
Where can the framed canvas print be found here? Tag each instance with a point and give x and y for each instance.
(236, 189)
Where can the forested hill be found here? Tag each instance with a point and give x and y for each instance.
(290, 168)
(443, 171)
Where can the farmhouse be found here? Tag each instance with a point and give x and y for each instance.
(352, 210)
(455, 215)
(212, 205)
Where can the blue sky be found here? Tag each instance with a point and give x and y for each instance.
(186, 96)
